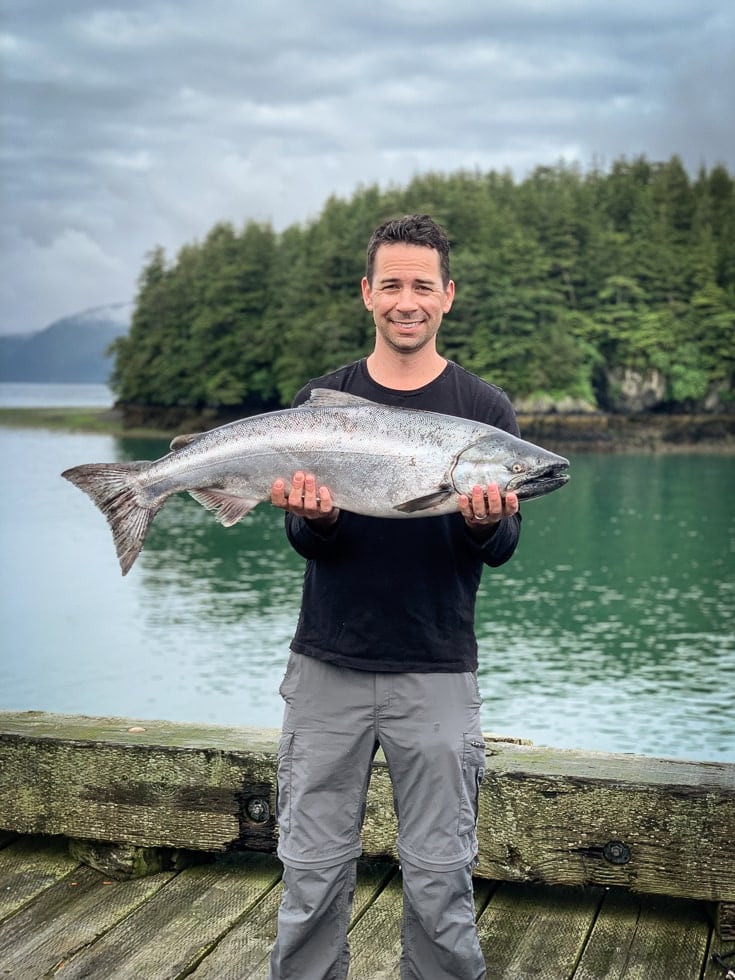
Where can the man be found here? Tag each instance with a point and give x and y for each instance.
(385, 652)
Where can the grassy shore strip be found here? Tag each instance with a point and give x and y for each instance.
(102, 421)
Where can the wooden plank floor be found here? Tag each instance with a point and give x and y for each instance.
(217, 920)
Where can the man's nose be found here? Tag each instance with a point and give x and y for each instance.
(406, 299)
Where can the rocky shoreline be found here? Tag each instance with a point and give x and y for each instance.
(564, 432)
(644, 432)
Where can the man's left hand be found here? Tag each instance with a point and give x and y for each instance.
(486, 507)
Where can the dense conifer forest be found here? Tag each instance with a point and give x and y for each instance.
(574, 289)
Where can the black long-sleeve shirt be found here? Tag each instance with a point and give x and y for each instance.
(385, 594)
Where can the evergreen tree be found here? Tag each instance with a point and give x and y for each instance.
(562, 279)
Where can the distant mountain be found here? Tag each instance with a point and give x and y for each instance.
(71, 349)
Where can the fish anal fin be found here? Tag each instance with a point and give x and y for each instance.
(427, 502)
(227, 507)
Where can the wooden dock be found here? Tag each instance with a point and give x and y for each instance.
(216, 921)
(144, 850)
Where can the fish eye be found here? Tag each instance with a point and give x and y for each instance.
(516, 467)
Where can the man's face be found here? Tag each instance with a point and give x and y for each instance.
(407, 297)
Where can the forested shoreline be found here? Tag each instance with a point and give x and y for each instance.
(600, 291)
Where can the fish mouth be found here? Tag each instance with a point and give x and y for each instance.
(541, 481)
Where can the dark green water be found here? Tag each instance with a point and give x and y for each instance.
(612, 628)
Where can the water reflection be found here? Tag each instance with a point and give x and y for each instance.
(233, 592)
(612, 627)
(617, 624)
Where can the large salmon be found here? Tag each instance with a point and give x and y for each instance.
(375, 459)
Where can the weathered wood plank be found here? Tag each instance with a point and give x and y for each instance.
(536, 932)
(201, 921)
(645, 938)
(28, 867)
(375, 941)
(181, 924)
(246, 947)
(150, 783)
(67, 917)
(653, 825)
(245, 950)
(558, 816)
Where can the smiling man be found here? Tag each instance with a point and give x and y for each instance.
(408, 297)
(385, 652)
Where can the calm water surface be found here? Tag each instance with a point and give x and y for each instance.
(612, 628)
(30, 395)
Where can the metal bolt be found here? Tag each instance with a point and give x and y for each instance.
(616, 852)
(257, 809)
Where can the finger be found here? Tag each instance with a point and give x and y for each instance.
(325, 500)
(479, 508)
(494, 502)
(510, 504)
(296, 496)
(465, 505)
(310, 501)
(278, 493)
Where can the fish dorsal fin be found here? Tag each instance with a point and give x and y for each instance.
(184, 440)
(227, 508)
(428, 502)
(330, 398)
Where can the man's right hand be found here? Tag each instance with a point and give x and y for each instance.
(302, 498)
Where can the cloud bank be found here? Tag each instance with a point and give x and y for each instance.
(126, 127)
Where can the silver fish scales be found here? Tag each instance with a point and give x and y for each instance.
(377, 460)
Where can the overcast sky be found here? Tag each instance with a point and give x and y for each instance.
(140, 123)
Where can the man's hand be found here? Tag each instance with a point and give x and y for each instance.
(303, 499)
(485, 508)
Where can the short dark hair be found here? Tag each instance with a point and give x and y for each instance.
(411, 229)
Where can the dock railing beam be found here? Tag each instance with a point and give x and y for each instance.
(559, 816)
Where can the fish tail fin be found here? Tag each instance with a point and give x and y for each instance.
(112, 487)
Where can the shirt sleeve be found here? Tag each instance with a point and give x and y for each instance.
(309, 541)
(304, 538)
(501, 545)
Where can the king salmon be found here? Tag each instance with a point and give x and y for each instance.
(376, 460)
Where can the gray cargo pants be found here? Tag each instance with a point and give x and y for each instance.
(428, 727)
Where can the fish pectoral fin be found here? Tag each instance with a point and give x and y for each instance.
(186, 439)
(227, 507)
(427, 502)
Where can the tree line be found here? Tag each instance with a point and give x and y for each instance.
(566, 282)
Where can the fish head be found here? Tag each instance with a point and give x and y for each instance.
(514, 464)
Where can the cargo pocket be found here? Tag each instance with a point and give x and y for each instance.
(284, 779)
(473, 772)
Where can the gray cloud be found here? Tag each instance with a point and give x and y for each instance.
(128, 126)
